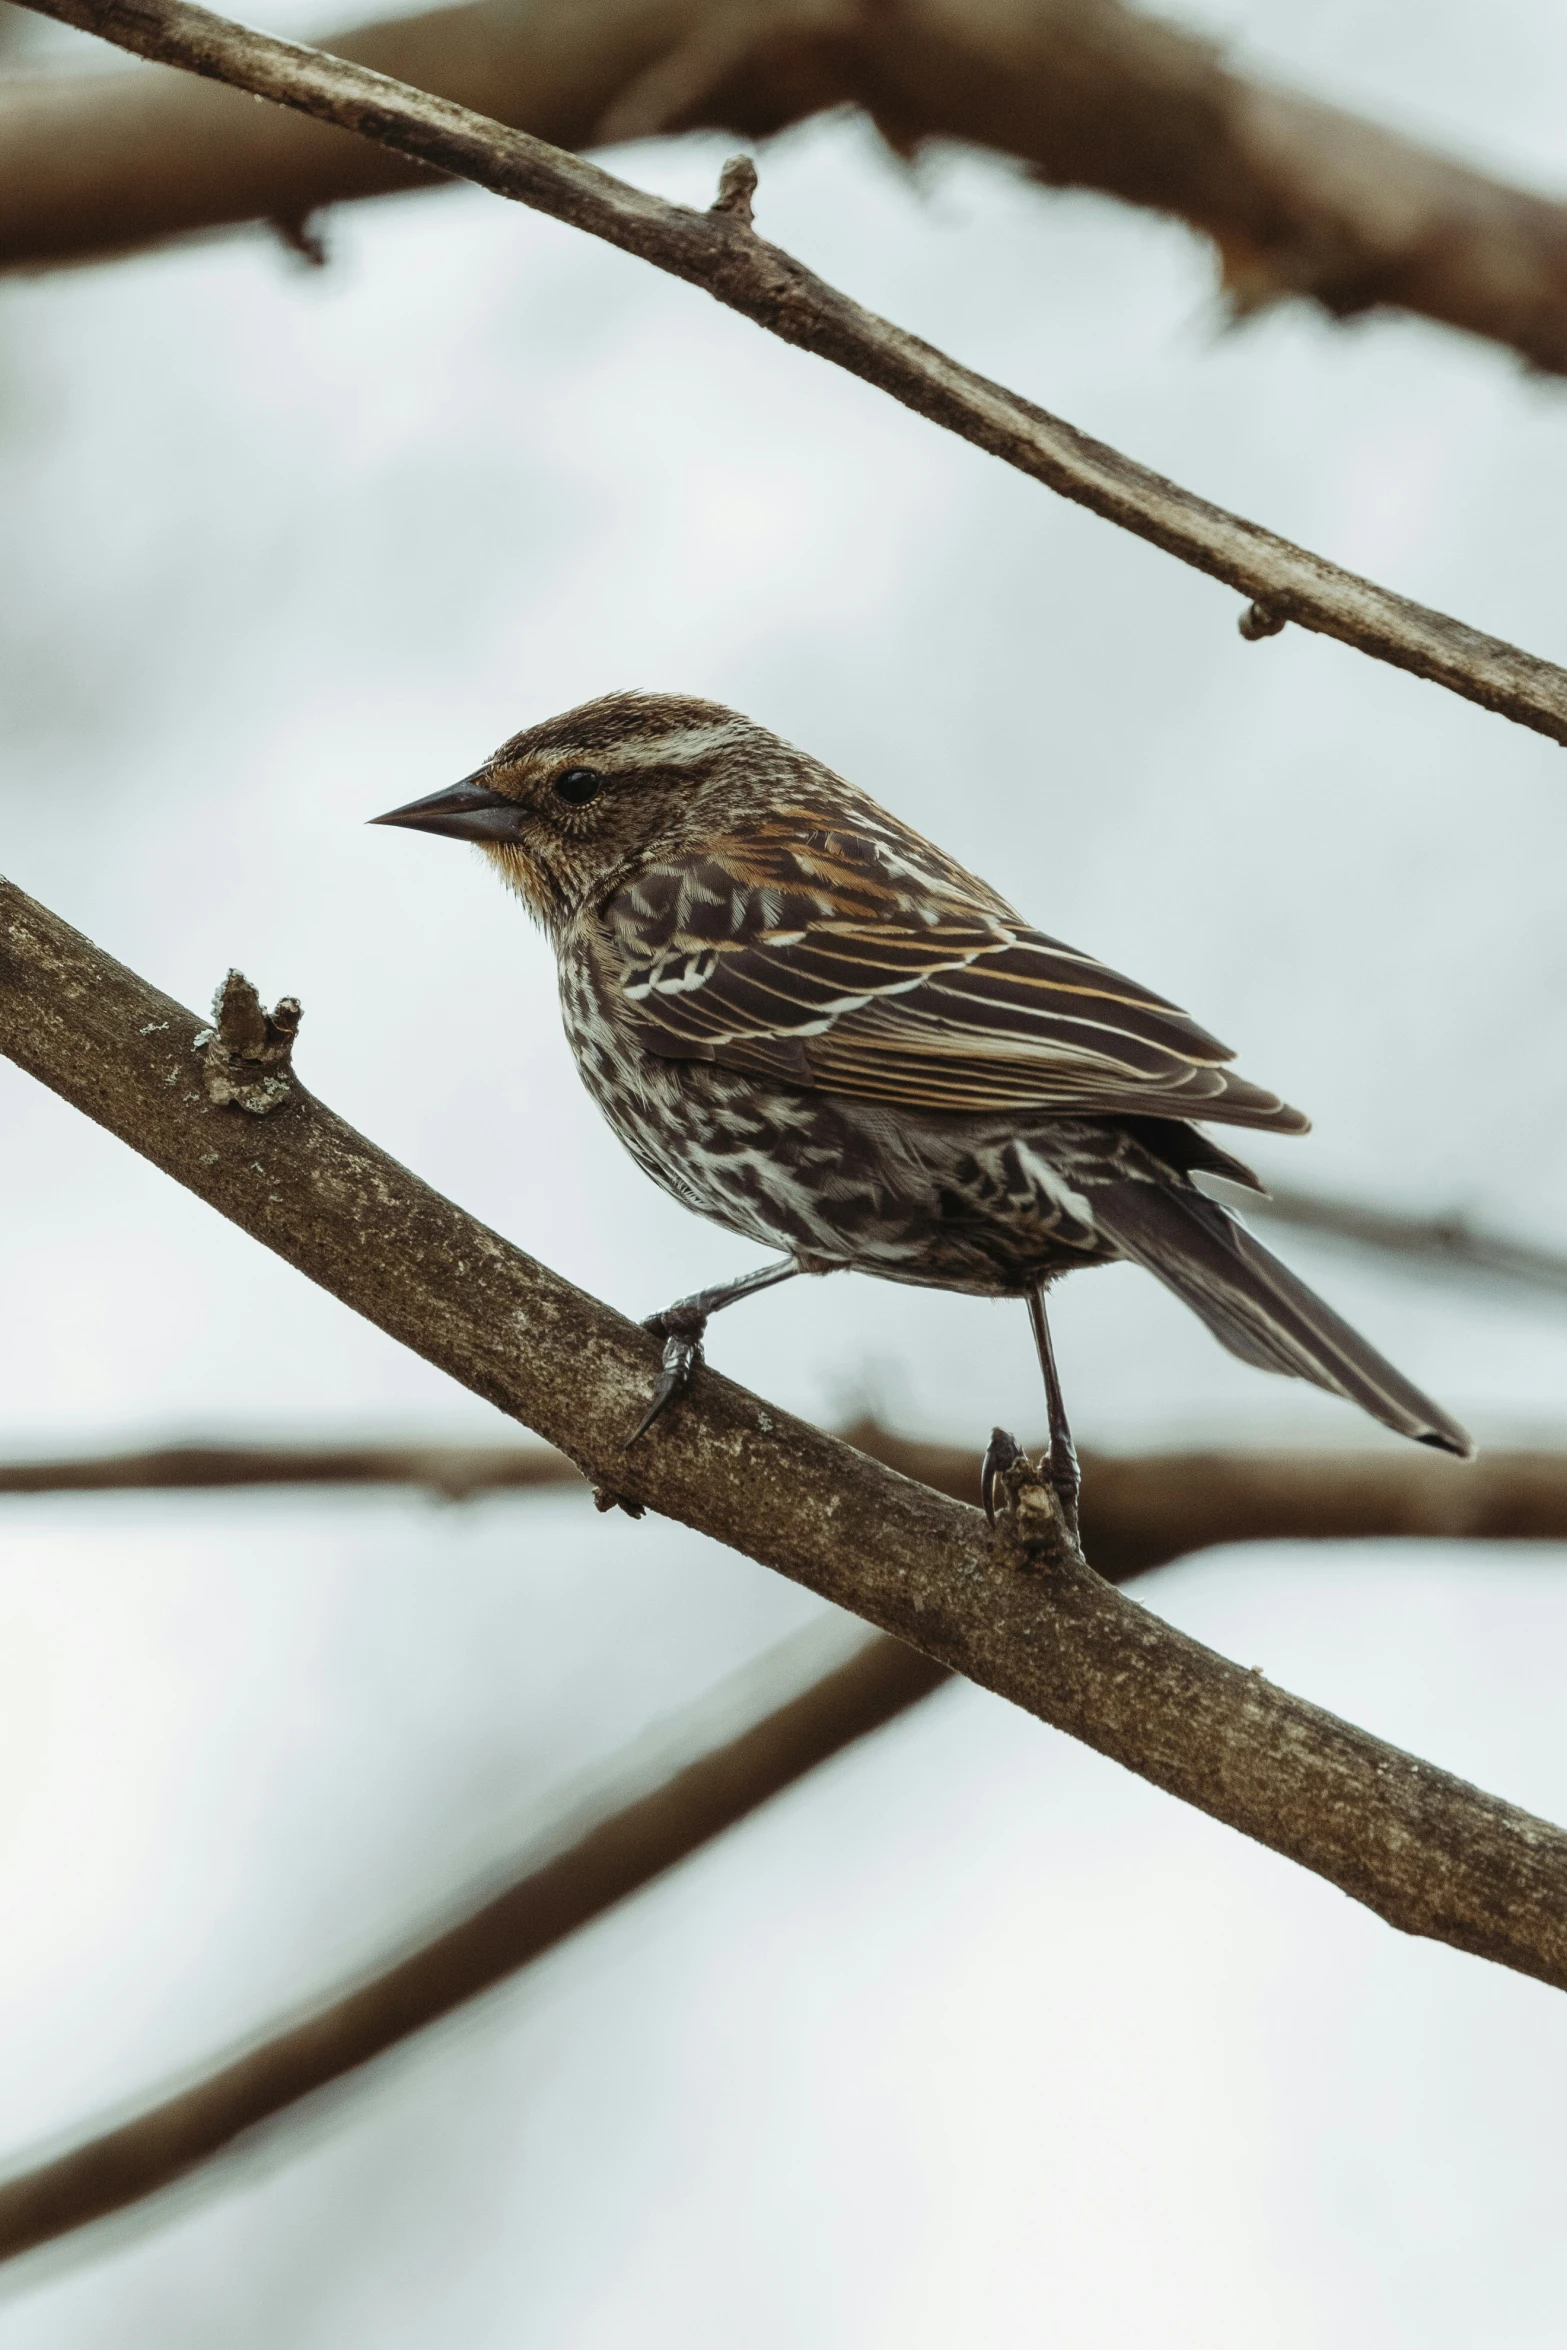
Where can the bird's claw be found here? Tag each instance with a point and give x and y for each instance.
(682, 1336)
(1003, 1452)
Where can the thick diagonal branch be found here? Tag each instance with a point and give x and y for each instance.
(1138, 1514)
(1429, 1853)
(1300, 198)
(719, 251)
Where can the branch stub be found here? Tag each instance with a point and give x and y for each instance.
(1031, 1529)
(1258, 621)
(736, 188)
(247, 1056)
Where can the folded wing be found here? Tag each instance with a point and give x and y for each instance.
(859, 962)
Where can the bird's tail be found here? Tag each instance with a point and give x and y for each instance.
(1257, 1308)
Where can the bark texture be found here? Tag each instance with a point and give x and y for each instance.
(1427, 1852)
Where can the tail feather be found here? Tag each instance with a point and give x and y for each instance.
(1257, 1308)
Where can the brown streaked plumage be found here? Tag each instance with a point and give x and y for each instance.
(808, 1023)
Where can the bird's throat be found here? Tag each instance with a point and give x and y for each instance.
(531, 881)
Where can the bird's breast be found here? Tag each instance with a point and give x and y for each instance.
(947, 1202)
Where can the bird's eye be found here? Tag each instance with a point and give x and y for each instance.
(578, 785)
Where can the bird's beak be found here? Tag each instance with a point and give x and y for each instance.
(469, 810)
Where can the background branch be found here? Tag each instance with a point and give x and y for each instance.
(1450, 1241)
(1139, 1511)
(1138, 1514)
(456, 1472)
(1299, 198)
(719, 252)
(615, 1858)
(1427, 1852)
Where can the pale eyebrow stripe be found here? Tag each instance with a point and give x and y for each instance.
(691, 742)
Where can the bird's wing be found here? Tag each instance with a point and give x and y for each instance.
(834, 958)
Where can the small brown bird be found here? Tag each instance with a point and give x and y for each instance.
(808, 1023)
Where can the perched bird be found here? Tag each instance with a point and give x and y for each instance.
(809, 1024)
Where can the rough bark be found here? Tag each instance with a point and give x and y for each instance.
(720, 252)
(1299, 198)
(1429, 1853)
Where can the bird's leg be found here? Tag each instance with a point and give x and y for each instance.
(1064, 1473)
(681, 1327)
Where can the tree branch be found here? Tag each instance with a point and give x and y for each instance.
(1299, 198)
(1138, 1511)
(1137, 1515)
(456, 1472)
(719, 252)
(1450, 1241)
(615, 1858)
(1427, 1852)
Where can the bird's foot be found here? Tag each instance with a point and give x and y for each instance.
(1066, 1480)
(681, 1328)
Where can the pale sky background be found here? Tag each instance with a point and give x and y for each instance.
(973, 2038)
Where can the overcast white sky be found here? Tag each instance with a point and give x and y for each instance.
(973, 2038)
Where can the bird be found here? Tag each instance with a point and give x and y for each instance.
(809, 1024)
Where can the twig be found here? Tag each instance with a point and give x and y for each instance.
(1300, 198)
(1427, 1852)
(1450, 1241)
(1139, 1511)
(718, 251)
(615, 1858)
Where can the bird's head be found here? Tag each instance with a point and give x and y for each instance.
(570, 808)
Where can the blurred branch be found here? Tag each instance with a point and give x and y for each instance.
(1451, 1241)
(616, 1858)
(1426, 1851)
(1137, 1515)
(720, 252)
(457, 1472)
(1139, 1511)
(1299, 198)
